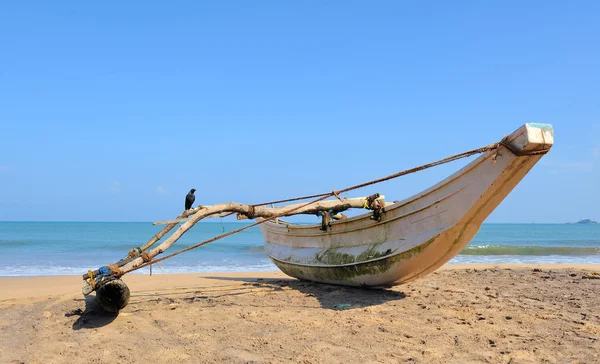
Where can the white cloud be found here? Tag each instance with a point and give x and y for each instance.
(115, 187)
(161, 190)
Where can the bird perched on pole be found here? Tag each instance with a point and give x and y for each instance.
(189, 199)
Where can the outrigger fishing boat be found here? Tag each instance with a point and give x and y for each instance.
(393, 243)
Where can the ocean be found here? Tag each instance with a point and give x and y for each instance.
(57, 248)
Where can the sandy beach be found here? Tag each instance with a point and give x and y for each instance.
(459, 314)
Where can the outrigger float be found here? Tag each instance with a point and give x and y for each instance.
(394, 243)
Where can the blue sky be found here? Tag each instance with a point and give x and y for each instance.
(112, 111)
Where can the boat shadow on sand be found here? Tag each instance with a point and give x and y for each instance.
(329, 297)
(334, 297)
(93, 316)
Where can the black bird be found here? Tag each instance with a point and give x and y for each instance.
(189, 199)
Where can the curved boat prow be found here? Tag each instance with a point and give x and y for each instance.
(530, 139)
(415, 236)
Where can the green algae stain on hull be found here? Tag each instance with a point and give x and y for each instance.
(332, 256)
(350, 274)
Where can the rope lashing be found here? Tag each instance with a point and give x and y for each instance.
(105, 273)
(369, 201)
(366, 204)
(114, 270)
(250, 213)
(92, 279)
(326, 220)
(378, 207)
(146, 258)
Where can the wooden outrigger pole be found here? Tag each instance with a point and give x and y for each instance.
(107, 276)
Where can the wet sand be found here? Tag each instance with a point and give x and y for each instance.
(459, 314)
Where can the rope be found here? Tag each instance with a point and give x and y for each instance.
(292, 199)
(250, 213)
(321, 197)
(92, 279)
(366, 205)
(425, 166)
(408, 171)
(336, 194)
(115, 270)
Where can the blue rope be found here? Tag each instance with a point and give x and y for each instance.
(104, 271)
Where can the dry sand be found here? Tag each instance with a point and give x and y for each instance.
(459, 314)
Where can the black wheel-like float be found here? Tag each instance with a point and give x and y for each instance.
(113, 296)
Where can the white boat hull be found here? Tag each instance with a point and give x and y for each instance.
(416, 236)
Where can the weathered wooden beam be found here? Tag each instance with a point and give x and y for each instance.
(328, 205)
(247, 211)
(202, 213)
(266, 212)
(170, 225)
(160, 234)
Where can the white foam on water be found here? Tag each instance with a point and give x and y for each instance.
(524, 259)
(35, 271)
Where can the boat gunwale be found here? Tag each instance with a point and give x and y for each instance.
(441, 184)
(382, 222)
